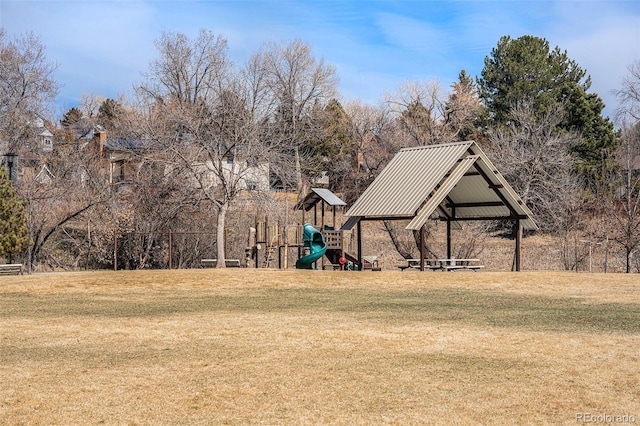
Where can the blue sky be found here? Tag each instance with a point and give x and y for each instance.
(104, 47)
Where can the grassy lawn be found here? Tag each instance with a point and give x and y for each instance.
(309, 347)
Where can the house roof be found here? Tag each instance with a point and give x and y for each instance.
(84, 129)
(123, 144)
(455, 181)
(319, 194)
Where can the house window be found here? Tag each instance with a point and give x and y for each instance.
(117, 172)
(230, 160)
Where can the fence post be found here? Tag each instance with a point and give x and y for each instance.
(170, 254)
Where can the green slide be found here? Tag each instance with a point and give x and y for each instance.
(317, 247)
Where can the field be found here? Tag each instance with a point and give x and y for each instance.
(319, 347)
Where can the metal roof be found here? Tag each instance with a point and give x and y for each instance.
(123, 144)
(454, 181)
(319, 194)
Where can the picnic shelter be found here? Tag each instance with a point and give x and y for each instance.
(453, 182)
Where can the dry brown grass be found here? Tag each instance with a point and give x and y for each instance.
(317, 347)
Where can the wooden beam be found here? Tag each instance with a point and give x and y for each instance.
(468, 219)
(479, 204)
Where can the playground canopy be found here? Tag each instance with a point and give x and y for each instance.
(455, 182)
(319, 194)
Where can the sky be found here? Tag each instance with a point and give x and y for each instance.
(105, 47)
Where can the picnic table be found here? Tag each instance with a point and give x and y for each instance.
(452, 264)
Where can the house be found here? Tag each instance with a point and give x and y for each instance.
(122, 155)
(30, 159)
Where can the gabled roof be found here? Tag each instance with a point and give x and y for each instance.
(123, 144)
(319, 194)
(456, 181)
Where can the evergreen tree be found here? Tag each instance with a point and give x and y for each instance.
(526, 71)
(109, 113)
(418, 122)
(14, 235)
(71, 117)
(463, 110)
(331, 148)
(336, 125)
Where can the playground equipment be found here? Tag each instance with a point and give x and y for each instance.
(317, 247)
(318, 244)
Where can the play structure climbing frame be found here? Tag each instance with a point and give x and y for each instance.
(319, 245)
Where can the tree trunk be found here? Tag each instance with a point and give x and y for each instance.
(299, 182)
(396, 242)
(222, 217)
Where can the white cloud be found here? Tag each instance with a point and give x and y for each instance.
(603, 38)
(104, 46)
(100, 47)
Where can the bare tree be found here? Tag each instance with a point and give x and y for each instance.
(187, 71)
(59, 187)
(624, 202)
(419, 110)
(90, 104)
(208, 121)
(628, 110)
(59, 191)
(536, 161)
(297, 83)
(27, 89)
(371, 127)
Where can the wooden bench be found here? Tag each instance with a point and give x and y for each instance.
(11, 269)
(212, 263)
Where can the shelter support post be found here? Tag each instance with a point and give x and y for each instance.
(334, 217)
(422, 248)
(359, 236)
(448, 238)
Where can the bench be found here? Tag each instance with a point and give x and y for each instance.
(11, 269)
(212, 263)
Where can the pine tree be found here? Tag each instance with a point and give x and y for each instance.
(71, 117)
(109, 113)
(525, 71)
(14, 234)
